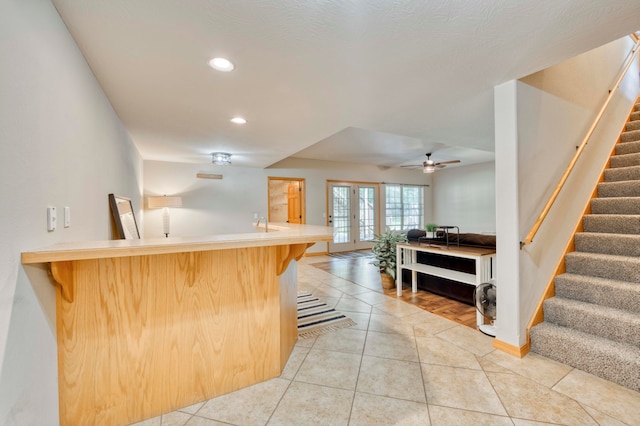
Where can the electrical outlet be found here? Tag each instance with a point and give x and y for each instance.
(52, 219)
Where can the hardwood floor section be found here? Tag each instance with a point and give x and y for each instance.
(359, 270)
(439, 305)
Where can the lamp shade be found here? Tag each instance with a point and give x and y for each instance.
(158, 202)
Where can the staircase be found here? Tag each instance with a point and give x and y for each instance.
(593, 322)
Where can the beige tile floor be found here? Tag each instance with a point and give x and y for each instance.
(402, 365)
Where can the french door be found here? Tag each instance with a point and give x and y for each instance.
(353, 214)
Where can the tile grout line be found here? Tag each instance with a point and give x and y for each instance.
(493, 387)
(355, 389)
(424, 385)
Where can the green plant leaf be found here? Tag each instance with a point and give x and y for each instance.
(385, 251)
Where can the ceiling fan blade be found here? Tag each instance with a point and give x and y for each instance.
(448, 162)
(412, 166)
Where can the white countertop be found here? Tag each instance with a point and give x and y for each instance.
(279, 234)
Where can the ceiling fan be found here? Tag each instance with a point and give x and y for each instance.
(431, 166)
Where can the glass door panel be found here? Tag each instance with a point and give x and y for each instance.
(353, 214)
(341, 214)
(367, 208)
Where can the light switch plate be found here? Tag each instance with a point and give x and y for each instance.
(67, 216)
(51, 218)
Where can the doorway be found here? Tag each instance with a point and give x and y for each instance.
(286, 200)
(353, 213)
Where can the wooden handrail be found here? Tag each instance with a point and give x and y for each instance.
(583, 144)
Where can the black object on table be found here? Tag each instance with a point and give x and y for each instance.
(446, 229)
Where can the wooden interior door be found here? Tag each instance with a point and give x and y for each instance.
(294, 203)
(286, 199)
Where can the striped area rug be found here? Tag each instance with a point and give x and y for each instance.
(351, 254)
(316, 318)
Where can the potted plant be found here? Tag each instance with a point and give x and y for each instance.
(432, 227)
(385, 253)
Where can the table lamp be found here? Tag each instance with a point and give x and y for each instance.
(164, 202)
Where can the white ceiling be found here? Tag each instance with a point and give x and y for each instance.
(375, 81)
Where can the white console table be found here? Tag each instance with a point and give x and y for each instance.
(406, 258)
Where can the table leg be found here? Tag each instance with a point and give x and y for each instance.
(399, 261)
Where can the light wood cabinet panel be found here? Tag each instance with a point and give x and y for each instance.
(144, 335)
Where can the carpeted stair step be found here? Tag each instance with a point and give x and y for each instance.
(613, 324)
(622, 173)
(624, 188)
(613, 361)
(633, 135)
(627, 147)
(625, 160)
(593, 322)
(609, 266)
(603, 291)
(632, 125)
(615, 205)
(607, 243)
(611, 223)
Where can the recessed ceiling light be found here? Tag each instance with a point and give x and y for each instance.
(238, 120)
(221, 64)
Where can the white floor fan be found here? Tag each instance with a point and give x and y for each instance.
(484, 296)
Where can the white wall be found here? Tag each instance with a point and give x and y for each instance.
(507, 224)
(554, 110)
(61, 144)
(227, 205)
(466, 197)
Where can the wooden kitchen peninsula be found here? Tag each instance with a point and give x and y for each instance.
(148, 326)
